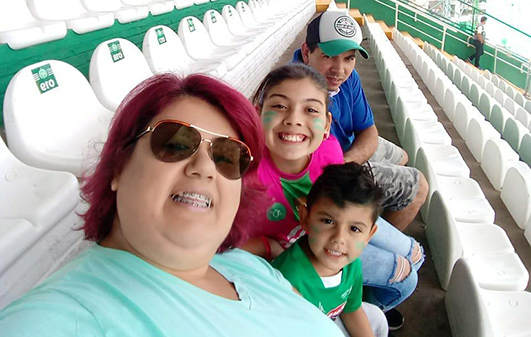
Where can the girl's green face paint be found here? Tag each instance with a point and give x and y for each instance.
(319, 124)
(268, 118)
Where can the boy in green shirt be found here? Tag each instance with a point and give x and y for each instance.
(339, 218)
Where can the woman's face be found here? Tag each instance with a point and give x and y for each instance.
(295, 120)
(159, 218)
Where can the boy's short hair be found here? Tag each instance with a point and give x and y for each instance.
(483, 19)
(348, 183)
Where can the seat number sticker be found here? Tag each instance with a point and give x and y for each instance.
(191, 25)
(116, 51)
(160, 35)
(44, 78)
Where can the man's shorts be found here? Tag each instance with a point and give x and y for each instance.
(387, 152)
(399, 183)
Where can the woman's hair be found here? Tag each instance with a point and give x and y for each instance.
(140, 106)
(291, 71)
(348, 183)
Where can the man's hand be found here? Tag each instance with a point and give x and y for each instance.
(363, 147)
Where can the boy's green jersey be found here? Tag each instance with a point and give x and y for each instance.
(294, 264)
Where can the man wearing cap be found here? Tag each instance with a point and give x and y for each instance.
(332, 40)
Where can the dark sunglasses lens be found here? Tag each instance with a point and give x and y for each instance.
(172, 142)
(232, 158)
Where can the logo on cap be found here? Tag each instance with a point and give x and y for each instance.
(345, 26)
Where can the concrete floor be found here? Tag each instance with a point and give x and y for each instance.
(425, 311)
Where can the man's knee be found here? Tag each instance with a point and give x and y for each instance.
(405, 158)
(423, 189)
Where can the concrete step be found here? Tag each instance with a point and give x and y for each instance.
(356, 14)
(418, 41)
(388, 31)
(322, 5)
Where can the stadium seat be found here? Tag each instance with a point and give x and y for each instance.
(463, 115)
(492, 255)
(248, 18)
(516, 193)
(165, 52)
(475, 93)
(527, 106)
(519, 99)
(199, 46)
(487, 74)
(479, 131)
(510, 92)
(485, 105)
(510, 105)
(499, 96)
(525, 149)
(463, 195)
(482, 81)
(72, 13)
(490, 88)
(476, 312)
(180, 4)
(116, 67)
(156, 7)
(221, 36)
(37, 214)
(123, 13)
(523, 116)
(235, 24)
(465, 85)
(53, 119)
(498, 157)
(499, 117)
(513, 132)
(19, 29)
(502, 85)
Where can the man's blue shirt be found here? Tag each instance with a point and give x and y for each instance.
(350, 110)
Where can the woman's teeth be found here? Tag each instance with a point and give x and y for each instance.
(193, 199)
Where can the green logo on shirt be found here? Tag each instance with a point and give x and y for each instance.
(276, 212)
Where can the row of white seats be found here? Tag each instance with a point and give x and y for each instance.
(498, 159)
(491, 82)
(27, 23)
(492, 265)
(71, 140)
(65, 127)
(431, 152)
(503, 114)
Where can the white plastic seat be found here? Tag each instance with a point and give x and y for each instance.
(474, 93)
(463, 116)
(513, 132)
(510, 92)
(498, 157)
(487, 74)
(221, 36)
(235, 24)
(496, 264)
(465, 85)
(123, 13)
(509, 105)
(474, 75)
(447, 160)
(519, 99)
(490, 88)
(527, 106)
(482, 81)
(36, 220)
(52, 117)
(165, 52)
(180, 4)
(19, 29)
(523, 116)
(495, 80)
(502, 85)
(247, 17)
(499, 117)
(479, 131)
(463, 195)
(499, 96)
(485, 105)
(156, 7)
(199, 46)
(451, 98)
(72, 13)
(516, 193)
(476, 312)
(116, 67)
(525, 149)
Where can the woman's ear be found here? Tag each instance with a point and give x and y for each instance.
(114, 183)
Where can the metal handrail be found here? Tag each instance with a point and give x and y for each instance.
(525, 62)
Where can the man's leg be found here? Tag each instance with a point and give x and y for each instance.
(389, 153)
(479, 51)
(405, 191)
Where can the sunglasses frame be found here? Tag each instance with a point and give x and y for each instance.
(195, 127)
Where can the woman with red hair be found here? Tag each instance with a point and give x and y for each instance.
(173, 193)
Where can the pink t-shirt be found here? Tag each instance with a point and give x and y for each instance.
(282, 222)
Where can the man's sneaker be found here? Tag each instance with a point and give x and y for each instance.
(469, 60)
(395, 320)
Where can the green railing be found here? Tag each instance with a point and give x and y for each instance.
(441, 27)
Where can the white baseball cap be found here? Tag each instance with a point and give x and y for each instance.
(335, 32)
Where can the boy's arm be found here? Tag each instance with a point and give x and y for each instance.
(357, 323)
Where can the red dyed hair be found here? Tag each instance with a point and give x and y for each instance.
(139, 107)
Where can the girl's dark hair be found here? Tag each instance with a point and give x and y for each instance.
(348, 183)
(291, 71)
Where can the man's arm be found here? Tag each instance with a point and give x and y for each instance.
(364, 146)
(357, 323)
(256, 246)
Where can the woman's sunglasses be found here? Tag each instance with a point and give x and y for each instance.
(173, 141)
